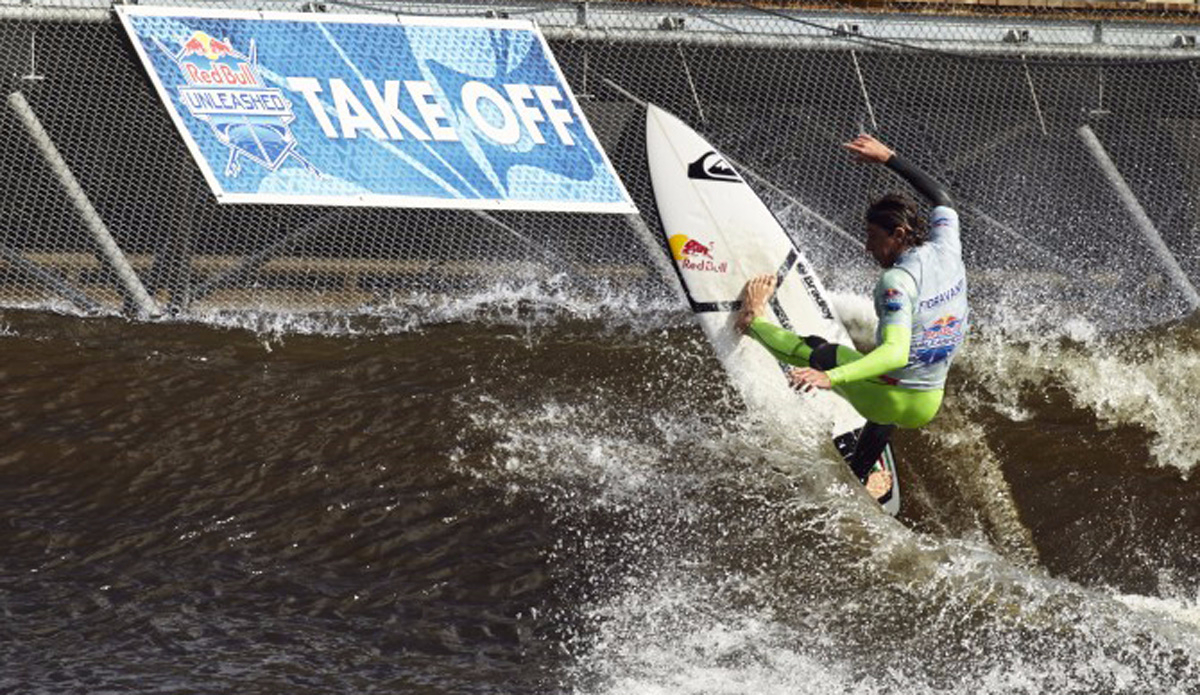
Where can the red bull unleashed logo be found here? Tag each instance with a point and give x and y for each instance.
(694, 255)
(225, 90)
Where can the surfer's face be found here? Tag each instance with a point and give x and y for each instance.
(885, 245)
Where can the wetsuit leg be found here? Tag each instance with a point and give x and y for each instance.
(874, 436)
(871, 441)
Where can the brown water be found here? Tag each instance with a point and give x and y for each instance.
(532, 502)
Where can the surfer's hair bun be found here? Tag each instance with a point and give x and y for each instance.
(895, 210)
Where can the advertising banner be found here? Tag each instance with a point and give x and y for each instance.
(325, 109)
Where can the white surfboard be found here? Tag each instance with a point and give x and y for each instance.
(720, 235)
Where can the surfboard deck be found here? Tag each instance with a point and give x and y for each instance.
(720, 234)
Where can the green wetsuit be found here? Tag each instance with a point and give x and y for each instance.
(860, 378)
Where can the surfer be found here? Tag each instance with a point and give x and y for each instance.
(921, 303)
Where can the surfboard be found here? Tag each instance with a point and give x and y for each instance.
(720, 234)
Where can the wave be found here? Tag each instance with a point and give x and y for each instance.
(1144, 379)
(654, 534)
(733, 554)
(715, 549)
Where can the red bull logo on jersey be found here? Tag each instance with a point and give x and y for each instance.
(225, 89)
(891, 299)
(692, 254)
(939, 340)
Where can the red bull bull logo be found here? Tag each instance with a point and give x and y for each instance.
(694, 248)
(692, 254)
(892, 299)
(206, 60)
(943, 327)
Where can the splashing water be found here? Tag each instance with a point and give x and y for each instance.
(574, 489)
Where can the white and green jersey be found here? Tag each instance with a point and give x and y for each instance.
(927, 289)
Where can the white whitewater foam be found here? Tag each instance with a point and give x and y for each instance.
(1122, 380)
(505, 303)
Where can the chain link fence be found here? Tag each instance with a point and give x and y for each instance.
(1071, 141)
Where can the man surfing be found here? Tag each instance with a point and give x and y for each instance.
(921, 303)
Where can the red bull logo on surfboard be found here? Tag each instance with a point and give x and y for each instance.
(692, 254)
(225, 89)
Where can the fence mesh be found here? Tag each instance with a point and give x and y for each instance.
(1070, 141)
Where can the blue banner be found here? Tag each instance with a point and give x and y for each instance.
(374, 110)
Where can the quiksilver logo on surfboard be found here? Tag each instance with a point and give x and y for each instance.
(713, 167)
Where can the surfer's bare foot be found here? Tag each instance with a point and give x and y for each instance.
(878, 484)
(754, 300)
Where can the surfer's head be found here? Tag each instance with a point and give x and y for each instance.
(893, 225)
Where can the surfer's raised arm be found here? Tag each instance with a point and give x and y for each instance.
(868, 149)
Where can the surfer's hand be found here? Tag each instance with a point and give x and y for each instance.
(806, 379)
(867, 149)
(754, 300)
